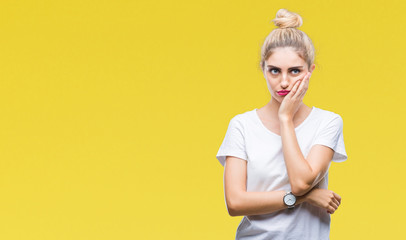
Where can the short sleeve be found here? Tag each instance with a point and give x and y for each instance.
(234, 142)
(331, 135)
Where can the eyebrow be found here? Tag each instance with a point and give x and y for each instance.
(288, 68)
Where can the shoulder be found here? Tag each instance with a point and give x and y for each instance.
(327, 115)
(242, 117)
(329, 118)
(240, 120)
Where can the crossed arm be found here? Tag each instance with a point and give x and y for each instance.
(303, 173)
(242, 202)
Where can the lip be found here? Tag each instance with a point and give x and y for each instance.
(283, 92)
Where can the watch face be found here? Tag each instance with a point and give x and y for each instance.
(289, 199)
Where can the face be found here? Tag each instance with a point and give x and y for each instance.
(282, 69)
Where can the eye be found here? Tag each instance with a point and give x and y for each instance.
(298, 71)
(275, 71)
(270, 70)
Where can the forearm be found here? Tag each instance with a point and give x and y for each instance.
(256, 203)
(299, 170)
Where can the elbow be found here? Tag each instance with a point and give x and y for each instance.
(233, 206)
(232, 211)
(300, 189)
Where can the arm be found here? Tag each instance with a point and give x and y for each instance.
(240, 202)
(303, 173)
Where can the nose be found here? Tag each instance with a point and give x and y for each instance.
(284, 82)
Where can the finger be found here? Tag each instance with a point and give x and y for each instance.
(307, 76)
(304, 86)
(299, 91)
(337, 197)
(295, 87)
(336, 202)
(308, 79)
(334, 205)
(331, 210)
(303, 89)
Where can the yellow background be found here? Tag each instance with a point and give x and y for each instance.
(112, 113)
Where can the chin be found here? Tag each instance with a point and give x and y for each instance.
(277, 98)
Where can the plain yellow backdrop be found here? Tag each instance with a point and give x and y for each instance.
(112, 113)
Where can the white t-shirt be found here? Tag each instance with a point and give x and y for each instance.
(248, 138)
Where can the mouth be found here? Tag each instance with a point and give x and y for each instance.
(283, 92)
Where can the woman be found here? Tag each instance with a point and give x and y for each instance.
(277, 157)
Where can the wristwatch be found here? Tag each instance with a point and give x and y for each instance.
(289, 199)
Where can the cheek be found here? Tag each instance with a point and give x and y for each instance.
(269, 83)
(272, 84)
(271, 87)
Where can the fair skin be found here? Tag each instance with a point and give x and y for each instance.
(281, 115)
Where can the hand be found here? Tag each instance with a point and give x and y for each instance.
(324, 198)
(291, 102)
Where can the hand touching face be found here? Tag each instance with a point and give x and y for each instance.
(291, 102)
(282, 69)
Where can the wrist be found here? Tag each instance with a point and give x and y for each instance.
(301, 199)
(285, 119)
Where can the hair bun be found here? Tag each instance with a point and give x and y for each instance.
(286, 19)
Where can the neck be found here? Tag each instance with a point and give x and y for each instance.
(272, 109)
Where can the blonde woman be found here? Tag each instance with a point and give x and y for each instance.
(277, 157)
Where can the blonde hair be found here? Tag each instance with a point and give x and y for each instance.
(287, 35)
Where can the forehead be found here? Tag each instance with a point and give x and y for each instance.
(285, 57)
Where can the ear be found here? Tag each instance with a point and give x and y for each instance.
(312, 68)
